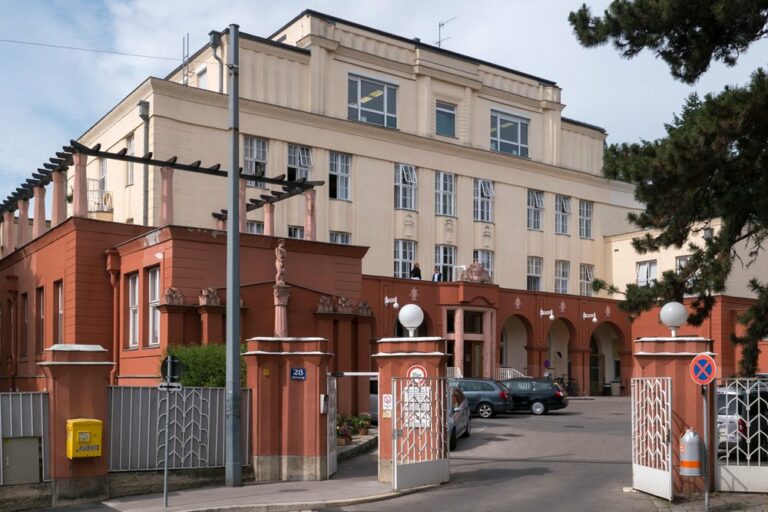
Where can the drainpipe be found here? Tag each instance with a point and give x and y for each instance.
(144, 114)
(215, 43)
(113, 268)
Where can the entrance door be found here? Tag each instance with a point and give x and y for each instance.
(331, 434)
(473, 358)
(652, 436)
(419, 441)
(596, 370)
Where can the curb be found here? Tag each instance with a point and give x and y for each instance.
(358, 449)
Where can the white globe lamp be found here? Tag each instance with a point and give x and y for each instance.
(411, 317)
(673, 315)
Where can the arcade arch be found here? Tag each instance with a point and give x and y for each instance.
(559, 343)
(604, 357)
(514, 338)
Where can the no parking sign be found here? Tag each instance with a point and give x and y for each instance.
(703, 369)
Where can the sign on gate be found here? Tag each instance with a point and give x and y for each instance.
(703, 369)
(418, 406)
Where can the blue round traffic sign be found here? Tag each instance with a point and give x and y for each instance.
(703, 369)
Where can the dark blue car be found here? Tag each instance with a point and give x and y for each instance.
(487, 397)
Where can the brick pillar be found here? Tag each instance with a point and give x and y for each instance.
(38, 223)
(172, 323)
(243, 206)
(22, 233)
(310, 222)
(671, 357)
(269, 219)
(394, 357)
(9, 233)
(458, 340)
(211, 324)
(289, 431)
(79, 186)
(166, 196)
(59, 199)
(77, 378)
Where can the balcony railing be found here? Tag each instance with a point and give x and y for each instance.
(99, 200)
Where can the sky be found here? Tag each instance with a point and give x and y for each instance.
(50, 95)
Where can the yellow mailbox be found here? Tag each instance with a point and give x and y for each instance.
(83, 438)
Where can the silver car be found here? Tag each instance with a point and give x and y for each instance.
(742, 423)
(459, 416)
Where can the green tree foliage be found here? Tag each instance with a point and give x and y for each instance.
(204, 365)
(713, 162)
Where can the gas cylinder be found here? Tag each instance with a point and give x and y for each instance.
(690, 454)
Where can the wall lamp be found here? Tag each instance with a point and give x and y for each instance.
(546, 312)
(593, 316)
(391, 300)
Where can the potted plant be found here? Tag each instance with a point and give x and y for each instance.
(343, 434)
(363, 423)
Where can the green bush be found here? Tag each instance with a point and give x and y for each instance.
(205, 365)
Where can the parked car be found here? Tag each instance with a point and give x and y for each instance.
(487, 397)
(536, 395)
(459, 416)
(742, 421)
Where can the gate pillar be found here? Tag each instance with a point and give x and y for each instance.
(394, 357)
(288, 377)
(671, 357)
(77, 380)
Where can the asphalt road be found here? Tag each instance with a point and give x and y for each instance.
(573, 460)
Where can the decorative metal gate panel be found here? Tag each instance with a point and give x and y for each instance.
(652, 436)
(331, 435)
(741, 435)
(419, 436)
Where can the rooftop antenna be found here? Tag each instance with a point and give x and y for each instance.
(440, 26)
(185, 60)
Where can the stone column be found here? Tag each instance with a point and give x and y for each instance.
(310, 222)
(38, 223)
(77, 378)
(9, 233)
(243, 209)
(458, 340)
(23, 228)
(166, 196)
(282, 292)
(59, 199)
(269, 219)
(489, 344)
(79, 186)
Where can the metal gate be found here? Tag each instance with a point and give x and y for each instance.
(419, 432)
(331, 434)
(741, 435)
(24, 438)
(652, 436)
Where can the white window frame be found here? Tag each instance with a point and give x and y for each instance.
(201, 72)
(356, 109)
(497, 143)
(534, 273)
(535, 209)
(586, 276)
(562, 214)
(645, 272)
(586, 209)
(254, 227)
(129, 151)
(153, 301)
(339, 167)
(406, 187)
(404, 258)
(296, 232)
(446, 108)
(133, 310)
(340, 237)
(485, 258)
(482, 209)
(300, 161)
(445, 193)
(445, 260)
(59, 290)
(562, 275)
(255, 159)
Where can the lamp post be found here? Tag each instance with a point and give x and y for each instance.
(673, 315)
(411, 316)
(547, 312)
(593, 316)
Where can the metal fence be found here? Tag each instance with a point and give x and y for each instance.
(25, 415)
(196, 435)
(503, 373)
(454, 372)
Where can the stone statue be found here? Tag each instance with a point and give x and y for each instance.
(324, 305)
(280, 263)
(343, 305)
(475, 273)
(209, 297)
(173, 296)
(364, 309)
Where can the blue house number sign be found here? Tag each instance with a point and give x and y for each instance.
(298, 374)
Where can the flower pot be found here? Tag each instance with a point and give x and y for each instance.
(343, 441)
(363, 431)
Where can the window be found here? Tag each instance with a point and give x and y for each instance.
(483, 204)
(562, 214)
(39, 320)
(254, 227)
(254, 160)
(444, 193)
(681, 262)
(509, 134)
(445, 259)
(153, 277)
(133, 310)
(371, 101)
(445, 119)
(338, 176)
(24, 325)
(129, 150)
(535, 207)
(646, 273)
(586, 276)
(102, 178)
(299, 162)
(405, 256)
(296, 232)
(535, 265)
(485, 258)
(562, 271)
(585, 219)
(58, 310)
(340, 237)
(202, 78)
(405, 187)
